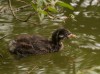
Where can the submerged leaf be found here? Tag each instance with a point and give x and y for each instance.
(63, 4)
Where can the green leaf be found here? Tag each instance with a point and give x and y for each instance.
(34, 6)
(52, 9)
(63, 4)
(41, 17)
(43, 12)
(40, 3)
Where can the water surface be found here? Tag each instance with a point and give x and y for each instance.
(79, 56)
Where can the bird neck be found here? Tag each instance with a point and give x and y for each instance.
(55, 39)
(56, 45)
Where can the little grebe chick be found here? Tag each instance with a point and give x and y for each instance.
(30, 44)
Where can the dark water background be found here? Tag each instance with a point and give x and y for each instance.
(80, 56)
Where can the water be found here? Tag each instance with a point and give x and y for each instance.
(79, 56)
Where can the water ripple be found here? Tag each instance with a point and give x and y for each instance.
(87, 41)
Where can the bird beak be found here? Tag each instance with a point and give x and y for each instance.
(71, 36)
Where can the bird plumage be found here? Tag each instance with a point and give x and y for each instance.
(32, 44)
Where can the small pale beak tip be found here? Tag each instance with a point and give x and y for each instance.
(72, 36)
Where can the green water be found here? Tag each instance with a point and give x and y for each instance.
(79, 56)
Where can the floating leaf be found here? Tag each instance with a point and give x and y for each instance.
(52, 9)
(63, 4)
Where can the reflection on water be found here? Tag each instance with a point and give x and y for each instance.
(93, 70)
(87, 41)
(80, 55)
(5, 28)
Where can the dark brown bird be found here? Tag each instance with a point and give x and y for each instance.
(30, 44)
